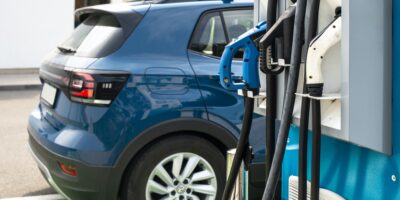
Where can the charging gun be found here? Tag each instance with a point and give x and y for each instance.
(251, 80)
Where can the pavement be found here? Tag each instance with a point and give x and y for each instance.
(19, 175)
(40, 197)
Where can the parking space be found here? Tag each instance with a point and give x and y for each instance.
(19, 176)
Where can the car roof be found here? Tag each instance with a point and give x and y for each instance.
(186, 1)
(141, 7)
(163, 34)
(165, 4)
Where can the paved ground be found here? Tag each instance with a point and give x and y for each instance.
(19, 175)
(41, 197)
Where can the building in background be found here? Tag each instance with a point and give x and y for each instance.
(83, 3)
(31, 29)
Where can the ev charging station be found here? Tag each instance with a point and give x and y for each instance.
(325, 67)
(356, 71)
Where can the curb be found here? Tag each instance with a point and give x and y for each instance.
(19, 71)
(20, 74)
(41, 197)
(20, 87)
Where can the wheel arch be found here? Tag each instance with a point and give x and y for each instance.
(218, 135)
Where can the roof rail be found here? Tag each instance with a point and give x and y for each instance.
(170, 1)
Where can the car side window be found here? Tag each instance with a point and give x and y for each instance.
(216, 29)
(209, 37)
(237, 22)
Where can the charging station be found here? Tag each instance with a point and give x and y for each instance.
(349, 69)
(357, 74)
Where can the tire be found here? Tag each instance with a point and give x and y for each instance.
(144, 176)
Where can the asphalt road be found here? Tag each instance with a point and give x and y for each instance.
(19, 175)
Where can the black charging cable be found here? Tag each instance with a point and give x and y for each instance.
(298, 41)
(312, 16)
(242, 148)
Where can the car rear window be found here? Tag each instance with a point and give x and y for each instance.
(97, 36)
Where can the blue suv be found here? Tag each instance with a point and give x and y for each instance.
(132, 108)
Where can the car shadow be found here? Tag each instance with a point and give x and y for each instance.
(45, 191)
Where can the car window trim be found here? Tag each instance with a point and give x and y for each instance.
(224, 27)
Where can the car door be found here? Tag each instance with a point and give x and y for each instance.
(214, 30)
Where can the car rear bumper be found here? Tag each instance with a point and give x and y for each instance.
(90, 183)
(46, 174)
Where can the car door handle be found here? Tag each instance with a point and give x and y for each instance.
(236, 78)
(231, 73)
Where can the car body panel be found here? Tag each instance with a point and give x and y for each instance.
(162, 89)
(223, 106)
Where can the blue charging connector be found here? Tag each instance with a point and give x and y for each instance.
(251, 80)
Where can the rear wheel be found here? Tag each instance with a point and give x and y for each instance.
(180, 167)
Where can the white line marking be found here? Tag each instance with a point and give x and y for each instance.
(41, 197)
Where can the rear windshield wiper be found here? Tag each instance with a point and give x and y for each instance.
(66, 49)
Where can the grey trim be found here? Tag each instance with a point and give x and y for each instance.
(205, 127)
(47, 174)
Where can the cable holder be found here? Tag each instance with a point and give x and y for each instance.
(254, 94)
(280, 63)
(324, 97)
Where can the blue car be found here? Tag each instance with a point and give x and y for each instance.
(132, 108)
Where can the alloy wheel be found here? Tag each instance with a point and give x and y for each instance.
(182, 176)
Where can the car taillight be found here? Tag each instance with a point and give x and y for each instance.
(96, 87)
(68, 169)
